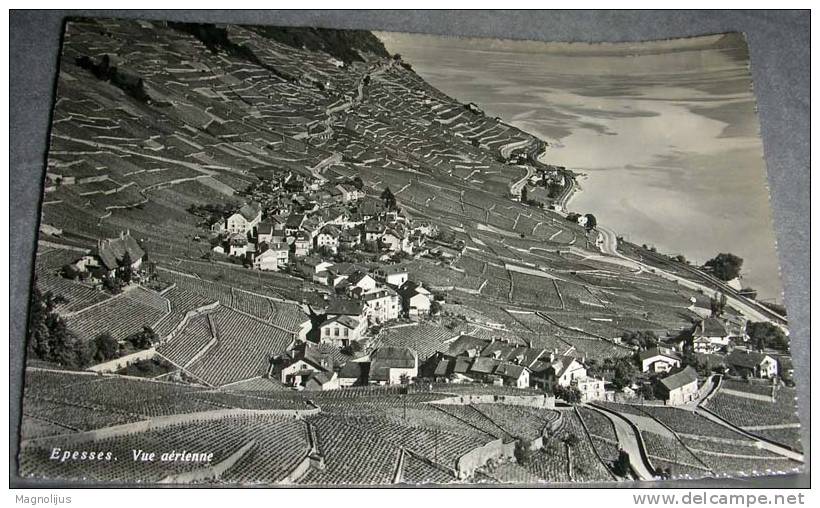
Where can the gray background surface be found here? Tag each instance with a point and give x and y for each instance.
(779, 43)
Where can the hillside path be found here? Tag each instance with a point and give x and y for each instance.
(628, 441)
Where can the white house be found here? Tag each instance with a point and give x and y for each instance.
(392, 274)
(299, 365)
(567, 369)
(396, 240)
(328, 237)
(342, 330)
(415, 299)
(659, 359)
(752, 364)
(237, 245)
(591, 388)
(272, 258)
(681, 387)
(393, 365)
(361, 282)
(513, 375)
(381, 305)
(246, 219)
(710, 335)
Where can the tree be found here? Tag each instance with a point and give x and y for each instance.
(592, 222)
(388, 198)
(524, 194)
(624, 373)
(358, 182)
(725, 266)
(717, 304)
(569, 394)
(642, 339)
(766, 335)
(107, 347)
(124, 270)
(522, 451)
(143, 339)
(435, 307)
(571, 440)
(622, 464)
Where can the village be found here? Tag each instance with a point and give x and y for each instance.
(335, 236)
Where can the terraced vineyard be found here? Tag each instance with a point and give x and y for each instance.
(242, 349)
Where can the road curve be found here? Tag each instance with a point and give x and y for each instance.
(628, 441)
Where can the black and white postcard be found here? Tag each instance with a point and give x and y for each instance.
(279, 256)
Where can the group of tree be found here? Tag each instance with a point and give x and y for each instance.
(725, 266)
(642, 339)
(50, 340)
(569, 394)
(211, 212)
(622, 371)
(717, 304)
(48, 336)
(765, 335)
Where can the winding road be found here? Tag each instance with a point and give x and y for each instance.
(628, 441)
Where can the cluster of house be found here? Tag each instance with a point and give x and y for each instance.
(363, 299)
(335, 217)
(708, 337)
(317, 368)
(468, 359)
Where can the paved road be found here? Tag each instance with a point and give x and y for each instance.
(517, 186)
(628, 441)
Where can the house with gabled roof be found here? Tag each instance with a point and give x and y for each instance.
(659, 359)
(246, 219)
(380, 305)
(110, 253)
(328, 237)
(415, 299)
(271, 257)
(566, 369)
(373, 230)
(680, 387)
(391, 365)
(752, 364)
(345, 307)
(354, 373)
(300, 364)
(342, 330)
(294, 223)
(710, 335)
(513, 375)
(361, 281)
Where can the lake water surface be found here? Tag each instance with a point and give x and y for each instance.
(665, 133)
